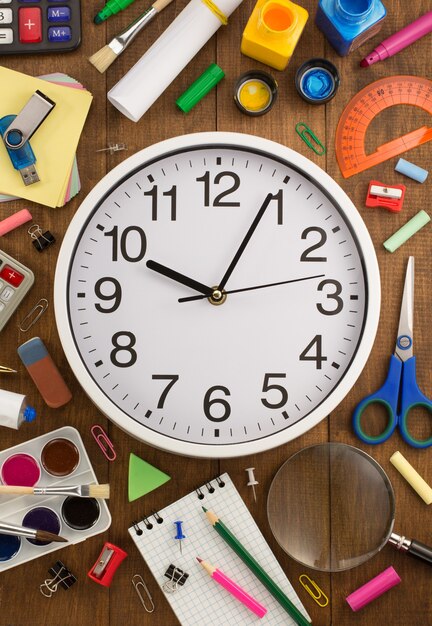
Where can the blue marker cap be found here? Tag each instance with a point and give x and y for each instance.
(317, 81)
(29, 414)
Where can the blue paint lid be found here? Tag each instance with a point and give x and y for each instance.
(317, 81)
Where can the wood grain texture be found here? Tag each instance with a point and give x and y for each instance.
(88, 604)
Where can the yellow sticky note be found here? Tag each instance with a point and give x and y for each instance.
(54, 143)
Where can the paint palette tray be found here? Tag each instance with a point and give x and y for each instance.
(73, 463)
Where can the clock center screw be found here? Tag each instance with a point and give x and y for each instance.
(218, 296)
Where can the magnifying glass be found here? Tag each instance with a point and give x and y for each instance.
(331, 507)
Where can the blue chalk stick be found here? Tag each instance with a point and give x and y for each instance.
(411, 170)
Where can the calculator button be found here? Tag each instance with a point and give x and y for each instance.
(2, 306)
(5, 1)
(5, 16)
(11, 276)
(6, 35)
(59, 33)
(6, 294)
(30, 25)
(59, 14)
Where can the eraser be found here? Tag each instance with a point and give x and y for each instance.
(412, 477)
(411, 170)
(15, 220)
(408, 230)
(44, 372)
(373, 589)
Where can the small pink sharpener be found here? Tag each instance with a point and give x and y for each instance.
(373, 589)
(14, 220)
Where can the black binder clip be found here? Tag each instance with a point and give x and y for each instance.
(61, 576)
(41, 240)
(176, 578)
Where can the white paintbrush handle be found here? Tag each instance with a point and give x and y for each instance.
(12, 489)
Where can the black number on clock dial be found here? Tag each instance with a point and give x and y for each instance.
(333, 296)
(268, 387)
(322, 239)
(123, 343)
(173, 378)
(171, 193)
(217, 202)
(210, 402)
(122, 243)
(313, 352)
(116, 294)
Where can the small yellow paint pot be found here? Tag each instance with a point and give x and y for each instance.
(255, 92)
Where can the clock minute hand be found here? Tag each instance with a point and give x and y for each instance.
(245, 241)
(179, 278)
(283, 282)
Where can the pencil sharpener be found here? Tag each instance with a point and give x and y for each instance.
(106, 565)
(390, 198)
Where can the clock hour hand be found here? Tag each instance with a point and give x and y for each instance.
(245, 241)
(283, 282)
(180, 278)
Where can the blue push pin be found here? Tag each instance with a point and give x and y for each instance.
(179, 533)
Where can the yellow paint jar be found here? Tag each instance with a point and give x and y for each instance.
(272, 32)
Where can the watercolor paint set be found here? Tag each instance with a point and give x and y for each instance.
(57, 458)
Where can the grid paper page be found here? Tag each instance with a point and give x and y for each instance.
(202, 600)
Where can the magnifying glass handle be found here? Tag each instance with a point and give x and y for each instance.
(412, 547)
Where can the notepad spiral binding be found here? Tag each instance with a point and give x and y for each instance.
(200, 491)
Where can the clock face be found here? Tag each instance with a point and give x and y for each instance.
(216, 372)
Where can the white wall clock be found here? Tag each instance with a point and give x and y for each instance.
(217, 294)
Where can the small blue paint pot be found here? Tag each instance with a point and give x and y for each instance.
(9, 547)
(317, 81)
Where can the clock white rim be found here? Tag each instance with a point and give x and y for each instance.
(177, 446)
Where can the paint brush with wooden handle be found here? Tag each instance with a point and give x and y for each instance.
(83, 491)
(104, 57)
(31, 533)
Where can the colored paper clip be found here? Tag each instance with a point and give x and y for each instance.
(315, 592)
(380, 195)
(32, 317)
(139, 584)
(104, 442)
(310, 139)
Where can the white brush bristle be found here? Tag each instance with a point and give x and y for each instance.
(99, 491)
(103, 58)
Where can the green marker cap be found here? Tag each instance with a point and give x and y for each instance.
(200, 88)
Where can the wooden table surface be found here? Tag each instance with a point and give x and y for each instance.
(88, 604)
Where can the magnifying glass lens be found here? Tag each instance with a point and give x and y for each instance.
(331, 507)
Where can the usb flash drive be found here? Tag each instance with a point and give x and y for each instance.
(23, 159)
(16, 131)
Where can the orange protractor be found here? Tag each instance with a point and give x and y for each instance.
(361, 110)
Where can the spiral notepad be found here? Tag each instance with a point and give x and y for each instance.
(200, 600)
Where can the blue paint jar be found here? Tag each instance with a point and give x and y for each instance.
(347, 24)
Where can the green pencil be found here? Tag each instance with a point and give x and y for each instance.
(256, 568)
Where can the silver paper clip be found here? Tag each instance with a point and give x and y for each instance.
(104, 442)
(139, 584)
(32, 317)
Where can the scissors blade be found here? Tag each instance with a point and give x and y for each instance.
(404, 342)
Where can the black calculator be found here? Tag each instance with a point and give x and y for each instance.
(29, 26)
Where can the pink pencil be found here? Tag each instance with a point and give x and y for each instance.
(233, 588)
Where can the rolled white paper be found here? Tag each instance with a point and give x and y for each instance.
(134, 94)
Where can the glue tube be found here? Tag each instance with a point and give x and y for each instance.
(134, 94)
(14, 409)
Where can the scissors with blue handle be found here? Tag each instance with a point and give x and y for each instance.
(400, 392)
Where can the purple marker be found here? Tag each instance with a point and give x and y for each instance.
(400, 40)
